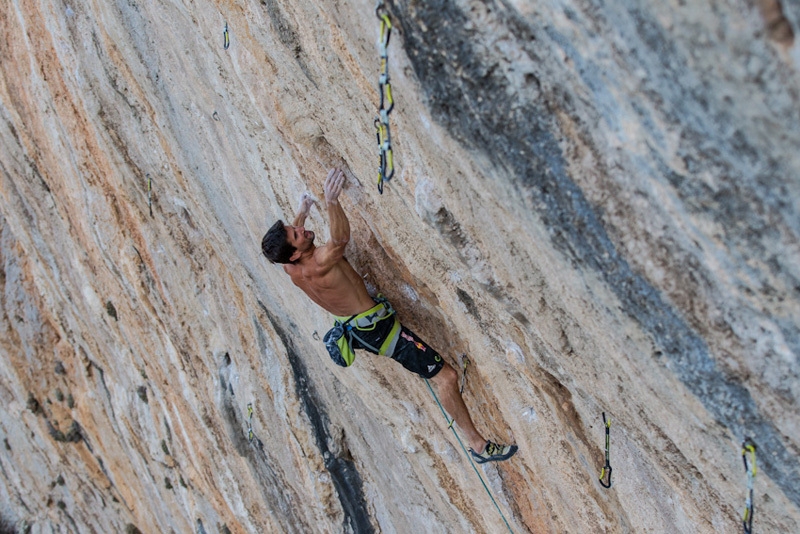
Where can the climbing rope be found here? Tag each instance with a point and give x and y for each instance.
(381, 122)
(749, 447)
(450, 425)
(607, 467)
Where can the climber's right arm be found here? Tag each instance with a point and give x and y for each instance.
(333, 251)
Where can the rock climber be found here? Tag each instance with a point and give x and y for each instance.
(326, 276)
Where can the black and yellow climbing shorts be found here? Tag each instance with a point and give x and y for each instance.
(382, 334)
(416, 355)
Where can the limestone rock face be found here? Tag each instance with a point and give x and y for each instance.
(597, 202)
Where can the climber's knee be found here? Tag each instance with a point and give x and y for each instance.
(446, 377)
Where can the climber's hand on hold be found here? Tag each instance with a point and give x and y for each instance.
(306, 201)
(334, 184)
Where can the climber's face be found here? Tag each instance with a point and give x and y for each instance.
(300, 238)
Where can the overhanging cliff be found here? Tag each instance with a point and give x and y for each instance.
(598, 202)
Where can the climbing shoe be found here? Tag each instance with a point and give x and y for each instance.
(494, 453)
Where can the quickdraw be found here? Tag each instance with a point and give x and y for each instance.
(749, 447)
(149, 194)
(381, 122)
(226, 37)
(464, 363)
(250, 434)
(606, 468)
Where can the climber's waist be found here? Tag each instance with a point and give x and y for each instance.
(367, 319)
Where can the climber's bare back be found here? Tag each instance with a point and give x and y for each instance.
(338, 289)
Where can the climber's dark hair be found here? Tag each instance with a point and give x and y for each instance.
(275, 246)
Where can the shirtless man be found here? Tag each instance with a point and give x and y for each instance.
(325, 275)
